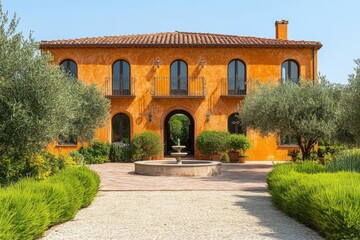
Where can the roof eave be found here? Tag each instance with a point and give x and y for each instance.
(44, 45)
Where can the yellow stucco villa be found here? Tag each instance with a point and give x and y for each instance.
(150, 77)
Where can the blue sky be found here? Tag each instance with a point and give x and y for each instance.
(334, 23)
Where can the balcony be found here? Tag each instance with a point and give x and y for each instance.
(238, 89)
(123, 88)
(179, 87)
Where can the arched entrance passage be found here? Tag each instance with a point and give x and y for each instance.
(187, 132)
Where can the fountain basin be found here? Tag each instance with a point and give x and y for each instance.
(178, 154)
(198, 168)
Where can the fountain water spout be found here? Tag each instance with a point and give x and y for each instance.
(178, 154)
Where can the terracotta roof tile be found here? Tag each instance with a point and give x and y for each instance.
(176, 39)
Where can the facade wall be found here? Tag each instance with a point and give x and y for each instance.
(262, 64)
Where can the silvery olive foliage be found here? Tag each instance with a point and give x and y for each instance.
(306, 111)
(349, 122)
(38, 101)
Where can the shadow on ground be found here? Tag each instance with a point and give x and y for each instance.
(281, 225)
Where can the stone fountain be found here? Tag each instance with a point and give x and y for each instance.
(178, 167)
(178, 154)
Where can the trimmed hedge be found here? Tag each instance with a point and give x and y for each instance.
(328, 202)
(29, 207)
(212, 142)
(145, 144)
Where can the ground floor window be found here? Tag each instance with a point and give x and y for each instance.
(67, 140)
(287, 139)
(234, 124)
(120, 128)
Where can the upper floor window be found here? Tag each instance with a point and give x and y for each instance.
(178, 78)
(290, 71)
(236, 78)
(121, 78)
(69, 66)
(234, 124)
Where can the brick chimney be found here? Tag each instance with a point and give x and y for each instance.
(281, 29)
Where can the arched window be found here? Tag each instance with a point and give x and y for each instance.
(120, 126)
(234, 124)
(178, 78)
(69, 66)
(121, 78)
(236, 78)
(290, 71)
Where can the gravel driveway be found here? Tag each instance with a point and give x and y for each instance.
(182, 214)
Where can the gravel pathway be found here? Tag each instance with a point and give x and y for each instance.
(235, 205)
(181, 215)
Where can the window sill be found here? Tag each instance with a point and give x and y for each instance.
(119, 96)
(177, 96)
(288, 146)
(66, 145)
(233, 96)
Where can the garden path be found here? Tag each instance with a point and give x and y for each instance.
(235, 205)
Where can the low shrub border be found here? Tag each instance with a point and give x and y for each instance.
(29, 207)
(328, 202)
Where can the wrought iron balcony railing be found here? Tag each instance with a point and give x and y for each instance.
(232, 88)
(124, 87)
(178, 87)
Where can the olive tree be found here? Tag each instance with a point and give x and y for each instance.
(38, 101)
(349, 125)
(306, 111)
(92, 112)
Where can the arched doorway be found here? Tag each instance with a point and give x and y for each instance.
(173, 121)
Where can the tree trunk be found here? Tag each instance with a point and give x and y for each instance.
(306, 147)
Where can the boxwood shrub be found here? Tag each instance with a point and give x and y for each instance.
(212, 142)
(328, 202)
(145, 144)
(29, 207)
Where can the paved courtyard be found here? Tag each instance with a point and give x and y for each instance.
(121, 177)
(234, 205)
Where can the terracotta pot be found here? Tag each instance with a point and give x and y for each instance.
(215, 157)
(205, 156)
(242, 159)
(233, 156)
(147, 157)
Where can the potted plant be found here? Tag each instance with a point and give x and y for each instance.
(242, 157)
(145, 145)
(237, 145)
(294, 154)
(212, 143)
